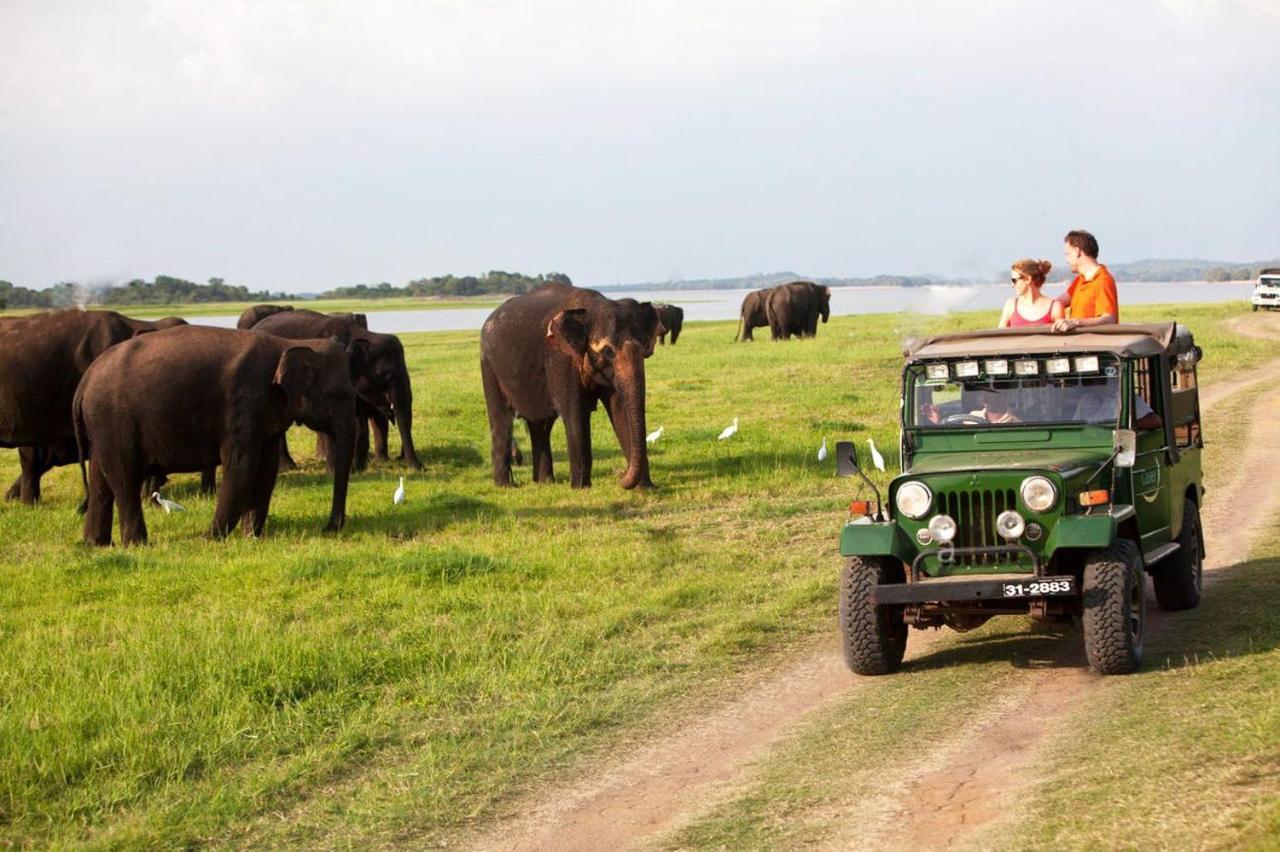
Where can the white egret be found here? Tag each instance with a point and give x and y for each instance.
(652, 437)
(169, 506)
(398, 497)
(822, 451)
(876, 458)
(729, 431)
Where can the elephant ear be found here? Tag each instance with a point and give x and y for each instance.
(568, 332)
(104, 332)
(358, 358)
(295, 375)
(653, 326)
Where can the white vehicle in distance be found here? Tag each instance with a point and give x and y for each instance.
(1266, 293)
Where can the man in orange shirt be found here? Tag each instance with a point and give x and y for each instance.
(1091, 296)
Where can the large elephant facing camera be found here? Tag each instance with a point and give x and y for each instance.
(42, 358)
(193, 398)
(558, 351)
(793, 309)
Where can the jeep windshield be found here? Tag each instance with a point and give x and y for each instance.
(1013, 392)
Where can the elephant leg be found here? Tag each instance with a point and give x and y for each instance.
(15, 490)
(378, 425)
(501, 418)
(239, 472)
(360, 460)
(255, 520)
(577, 428)
(35, 462)
(540, 447)
(133, 527)
(98, 512)
(209, 480)
(286, 460)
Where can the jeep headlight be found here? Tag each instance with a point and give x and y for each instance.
(913, 499)
(1038, 493)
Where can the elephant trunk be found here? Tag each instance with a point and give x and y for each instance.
(402, 400)
(342, 449)
(628, 417)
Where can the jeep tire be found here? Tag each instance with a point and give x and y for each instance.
(874, 636)
(1115, 609)
(1177, 579)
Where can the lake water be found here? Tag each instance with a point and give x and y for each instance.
(724, 304)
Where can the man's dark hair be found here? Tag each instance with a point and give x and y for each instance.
(1084, 241)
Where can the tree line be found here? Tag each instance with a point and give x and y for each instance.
(164, 290)
(494, 282)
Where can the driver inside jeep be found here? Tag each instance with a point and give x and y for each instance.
(983, 404)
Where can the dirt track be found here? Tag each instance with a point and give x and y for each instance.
(949, 798)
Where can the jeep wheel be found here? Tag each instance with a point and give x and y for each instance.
(1177, 580)
(874, 637)
(1115, 609)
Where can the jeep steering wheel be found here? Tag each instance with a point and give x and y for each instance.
(964, 417)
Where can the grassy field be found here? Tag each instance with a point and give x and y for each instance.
(209, 309)
(394, 682)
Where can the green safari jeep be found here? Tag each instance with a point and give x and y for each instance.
(1042, 474)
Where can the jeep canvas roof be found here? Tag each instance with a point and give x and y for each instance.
(1135, 341)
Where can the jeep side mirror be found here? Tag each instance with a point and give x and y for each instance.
(846, 459)
(1126, 443)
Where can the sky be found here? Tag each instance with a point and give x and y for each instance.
(300, 145)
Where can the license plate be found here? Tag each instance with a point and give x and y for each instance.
(1043, 587)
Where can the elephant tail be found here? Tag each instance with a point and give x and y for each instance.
(77, 420)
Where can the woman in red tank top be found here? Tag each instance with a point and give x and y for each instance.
(1029, 306)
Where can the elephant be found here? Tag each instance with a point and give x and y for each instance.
(793, 309)
(197, 397)
(141, 326)
(42, 357)
(361, 320)
(252, 316)
(672, 321)
(383, 388)
(558, 351)
(753, 313)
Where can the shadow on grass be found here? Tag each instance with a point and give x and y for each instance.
(407, 521)
(1239, 615)
(1036, 647)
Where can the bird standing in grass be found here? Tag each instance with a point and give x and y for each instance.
(169, 506)
(652, 437)
(876, 458)
(398, 497)
(822, 451)
(729, 431)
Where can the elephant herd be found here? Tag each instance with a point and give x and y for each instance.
(790, 310)
(140, 400)
(133, 401)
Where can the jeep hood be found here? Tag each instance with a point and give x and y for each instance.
(1066, 462)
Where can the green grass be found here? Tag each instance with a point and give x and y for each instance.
(400, 679)
(208, 309)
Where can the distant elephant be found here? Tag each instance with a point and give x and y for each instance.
(197, 397)
(672, 321)
(253, 316)
(383, 387)
(793, 309)
(42, 357)
(361, 320)
(558, 351)
(753, 313)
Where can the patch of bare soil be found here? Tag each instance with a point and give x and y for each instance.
(948, 799)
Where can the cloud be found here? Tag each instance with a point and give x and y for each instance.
(1201, 9)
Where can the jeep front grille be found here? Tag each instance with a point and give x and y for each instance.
(975, 514)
